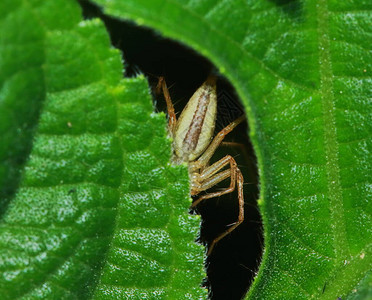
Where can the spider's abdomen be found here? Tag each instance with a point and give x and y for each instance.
(195, 126)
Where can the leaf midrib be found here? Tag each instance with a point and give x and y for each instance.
(335, 197)
(348, 269)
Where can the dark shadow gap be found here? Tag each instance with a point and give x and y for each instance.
(234, 261)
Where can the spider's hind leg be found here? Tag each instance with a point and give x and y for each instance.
(240, 180)
(209, 177)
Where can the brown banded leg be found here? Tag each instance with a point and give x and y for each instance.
(203, 160)
(233, 144)
(209, 178)
(242, 148)
(240, 180)
(171, 114)
(236, 178)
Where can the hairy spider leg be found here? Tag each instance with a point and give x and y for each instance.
(208, 153)
(234, 173)
(240, 220)
(208, 178)
(172, 119)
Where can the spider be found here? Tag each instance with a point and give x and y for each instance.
(192, 143)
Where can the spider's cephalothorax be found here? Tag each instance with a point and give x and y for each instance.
(194, 144)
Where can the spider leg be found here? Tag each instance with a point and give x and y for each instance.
(242, 148)
(239, 180)
(204, 159)
(171, 114)
(210, 177)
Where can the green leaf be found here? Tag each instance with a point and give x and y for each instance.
(99, 211)
(303, 72)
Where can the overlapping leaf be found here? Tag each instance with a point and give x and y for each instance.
(99, 212)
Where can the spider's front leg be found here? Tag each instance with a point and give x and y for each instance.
(208, 153)
(172, 119)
